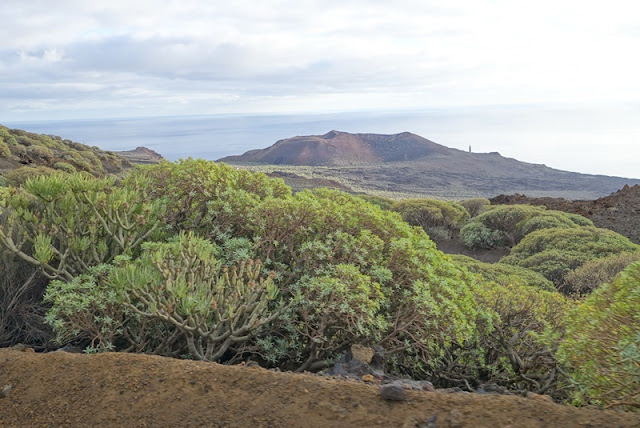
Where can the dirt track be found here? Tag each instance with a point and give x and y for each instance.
(61, 389)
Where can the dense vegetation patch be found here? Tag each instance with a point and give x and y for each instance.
(440, 219)
(25, 154)
(504, 274)
(475, 206)
(602, 344)
(596, 272)
(554, 253)
(508, 225)
(202, 260)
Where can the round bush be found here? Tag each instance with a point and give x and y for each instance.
(602, 344)
(310, 238)
(477, 235)
(63, 166)
(475, 206)
(432, 215)
(556, 252)
(596, 272)
(41, 152)
(514, 346)
(514, 222)
(5, 151)
(20, 175)
(504, 274)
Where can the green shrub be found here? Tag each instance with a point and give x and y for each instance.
(500, 221)
(515, 343)
(382, 202)
(21, 288)
(3, 182)
(475, 206)
(602, 344)
(18, 149)
(432, 308)
(5, 151)
(477, 235)
(179, 283)
(66, 223)
(20, 175)
(504, 274)
(594, 273)
(6, 136)
(516, 347)
(432, 214)
(514, 222)
(548, 220)
(439, 233)
(41, 152)
(556, 252)
(23, 139)
(316, 230)
(85, 309)
(212, 199)
(579, 220)
(308, 238)
(77, 160)
(63, 166)
(94, 161)
(334, 311)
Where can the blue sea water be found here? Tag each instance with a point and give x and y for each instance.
(590, 140)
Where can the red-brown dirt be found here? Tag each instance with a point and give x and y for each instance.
(113, 389)
(340, 148)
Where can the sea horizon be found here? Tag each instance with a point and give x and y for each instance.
(497, 129)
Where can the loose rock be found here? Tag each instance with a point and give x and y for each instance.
(393, 392)
(368, 378)
(5, 391)
(429, 423)
(362, 353)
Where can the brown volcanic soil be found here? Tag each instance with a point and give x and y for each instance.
(141, 390)
(343, 148)
(620, 211)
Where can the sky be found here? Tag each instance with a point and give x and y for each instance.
(568, 69)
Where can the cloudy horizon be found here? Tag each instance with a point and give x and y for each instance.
(81, 60)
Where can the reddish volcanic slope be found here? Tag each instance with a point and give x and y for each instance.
(342, 148)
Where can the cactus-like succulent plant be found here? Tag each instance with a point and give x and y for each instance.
(181, 282)
(68, 223)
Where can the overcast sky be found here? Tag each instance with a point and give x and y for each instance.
(73, 59)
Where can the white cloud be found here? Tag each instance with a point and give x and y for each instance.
(283, 55)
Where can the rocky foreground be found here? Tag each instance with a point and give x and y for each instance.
(116, 389)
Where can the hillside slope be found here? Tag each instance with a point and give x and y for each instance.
(140, 390)
(22, 150)
(342, 148)
(411, 165)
